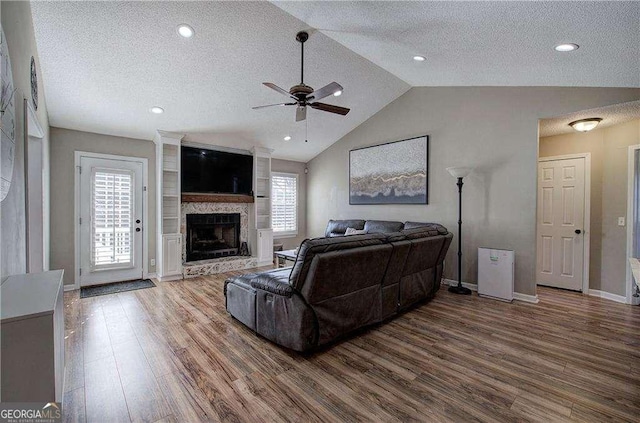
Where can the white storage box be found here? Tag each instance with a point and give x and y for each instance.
(495, 273)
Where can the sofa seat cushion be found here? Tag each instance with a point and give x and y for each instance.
(382, 226)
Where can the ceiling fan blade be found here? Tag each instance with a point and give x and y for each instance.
(271, 105)
(330, 108)
(325, 91)
(301, 113)
(280, 90)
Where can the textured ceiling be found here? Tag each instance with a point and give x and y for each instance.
(104, 64)
(487, 43)
(611, 115)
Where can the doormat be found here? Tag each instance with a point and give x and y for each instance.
(114, 288)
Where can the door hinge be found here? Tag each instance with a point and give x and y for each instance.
(80, 221)
(144, 188)
(80, 169)
(81, 271)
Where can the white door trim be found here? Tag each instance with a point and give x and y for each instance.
(76, 208)
(630, 217)
(587, 210)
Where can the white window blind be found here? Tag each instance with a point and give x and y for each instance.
(111, 218)
(284, 203)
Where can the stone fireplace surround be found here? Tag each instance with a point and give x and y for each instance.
(217, 265)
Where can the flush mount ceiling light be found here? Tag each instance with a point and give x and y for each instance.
(157, 110)
(566, 47)
(419, 58)
(185, 31)
(287, 138)
(585, 125)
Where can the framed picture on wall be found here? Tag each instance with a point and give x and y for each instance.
(392, 173)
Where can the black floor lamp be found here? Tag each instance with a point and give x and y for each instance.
(459, 172)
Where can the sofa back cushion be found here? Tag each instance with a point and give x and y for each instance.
(382, 226)
(341, 280)
(422, 268)
(312, 247)
(339, 227)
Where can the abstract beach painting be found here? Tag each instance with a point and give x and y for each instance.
(392, 173)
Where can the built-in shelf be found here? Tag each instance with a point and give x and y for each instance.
(170, 195)
(170, 170)
(170, 217)
(262, 177)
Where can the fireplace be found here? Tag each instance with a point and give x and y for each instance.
(212, 235)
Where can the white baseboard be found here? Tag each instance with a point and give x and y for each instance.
(71, 287)
(150, 276)
(170, 278)
(526, 298)
(451, 282)
(608, 296)
(474, 287)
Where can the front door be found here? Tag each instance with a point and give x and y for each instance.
(560, 228)
(111, 194)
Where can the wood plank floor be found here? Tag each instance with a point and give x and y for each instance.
(173, 354)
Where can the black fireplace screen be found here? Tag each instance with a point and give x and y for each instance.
(212, 235)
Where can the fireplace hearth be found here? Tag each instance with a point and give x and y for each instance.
(212, 236)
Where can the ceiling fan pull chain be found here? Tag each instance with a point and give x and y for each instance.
(306, 130)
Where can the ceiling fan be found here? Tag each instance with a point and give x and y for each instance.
(304, 95)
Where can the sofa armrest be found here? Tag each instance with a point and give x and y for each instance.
(273, 286)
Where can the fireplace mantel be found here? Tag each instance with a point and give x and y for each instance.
(216, 198)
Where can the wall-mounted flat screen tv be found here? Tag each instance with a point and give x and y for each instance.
(216, 172)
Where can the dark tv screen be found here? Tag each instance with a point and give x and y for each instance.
(219, 172)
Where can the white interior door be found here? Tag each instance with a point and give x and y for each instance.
(111, 195)
(560, 228)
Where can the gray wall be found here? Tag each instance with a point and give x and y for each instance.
(18, 28)
(495, 130)
(609, 151)
(294, 167)
(64, 143)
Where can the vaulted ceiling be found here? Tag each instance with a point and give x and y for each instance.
(105, 64)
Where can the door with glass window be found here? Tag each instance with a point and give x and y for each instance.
(111, 195)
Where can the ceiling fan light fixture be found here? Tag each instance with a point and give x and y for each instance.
(186, 31)
(287, 138)
(338, 93)
(565, 47)
(585, 125)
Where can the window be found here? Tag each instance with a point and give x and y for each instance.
(284, 204)
(112, 218)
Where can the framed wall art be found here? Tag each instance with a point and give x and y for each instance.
(392, 173)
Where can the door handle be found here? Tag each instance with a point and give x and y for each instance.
(137, 220)
(578, 231)
(137, 229)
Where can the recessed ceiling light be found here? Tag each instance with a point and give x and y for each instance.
(185, 31)
(566, 47)
(337, 93)
(287, 138)
(419, 58)
(157, 110)
(585, 125)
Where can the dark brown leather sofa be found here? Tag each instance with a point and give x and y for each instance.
(339, 284)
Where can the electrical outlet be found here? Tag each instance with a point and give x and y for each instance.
(621, 221)
(153, 262)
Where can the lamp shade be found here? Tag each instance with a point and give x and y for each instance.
(459, 172)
